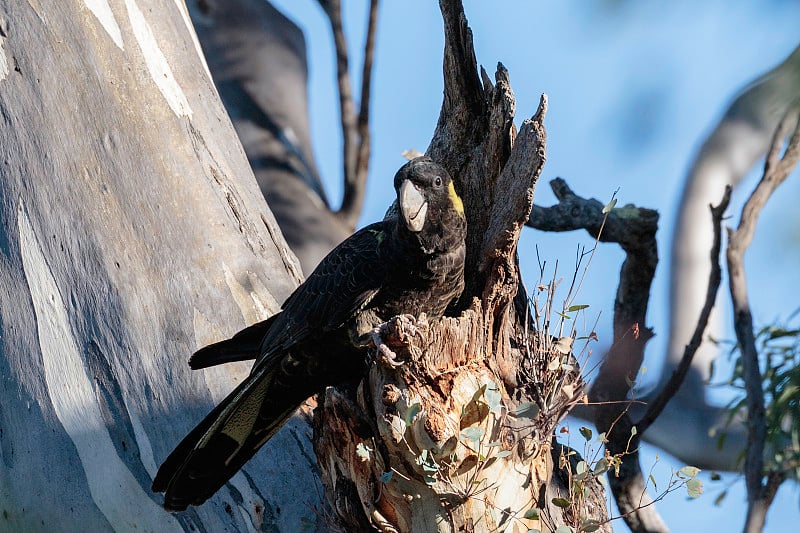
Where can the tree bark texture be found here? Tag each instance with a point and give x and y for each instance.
(441, 443)
(132, 233)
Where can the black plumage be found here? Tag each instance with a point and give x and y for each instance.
(411, 263)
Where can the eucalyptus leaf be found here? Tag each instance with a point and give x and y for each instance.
(694, 487)
(609, 206)
(561, 502)
(531, 514)
(689, 471)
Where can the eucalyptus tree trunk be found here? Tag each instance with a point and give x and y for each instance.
(132, 233)
(460, 438)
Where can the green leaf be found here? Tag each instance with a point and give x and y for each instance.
(573, 308)
(531, 514)
(386, 477)
(634, 431)
(581, 467)
(609, 206)
(601, 467)
(590, 525)
(689, 471)
(777, 333)
(564, 529)
(561, 502)
(694, 487)
(473, 435)
(653, 481)
(720, 497)
(426, 460)
(411, 413)
(586, 433)
(502, 453)
(492, 396)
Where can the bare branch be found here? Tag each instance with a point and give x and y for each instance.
(354, 199)
(355, 129)
(624, 225)
(715, 278)
(347, 114)
(775, 172)
(616, 375)
(634, 229)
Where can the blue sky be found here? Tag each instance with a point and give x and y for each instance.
(633, 87)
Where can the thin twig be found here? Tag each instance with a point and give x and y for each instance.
(634, 230)
(776, 170)
(354, 200)
(355, 129)
(333, 8)
(714, 280)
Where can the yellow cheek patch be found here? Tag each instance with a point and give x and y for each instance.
(456, 199)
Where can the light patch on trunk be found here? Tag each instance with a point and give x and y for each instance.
(190, 28)
(3, 60)
(252, 306)
(114, 490)
(143, 442)
(156, 63)
(105, 16)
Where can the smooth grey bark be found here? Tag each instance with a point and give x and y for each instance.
(257, 57)
(132, 233)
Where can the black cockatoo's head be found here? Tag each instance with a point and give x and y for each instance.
(428, 204)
